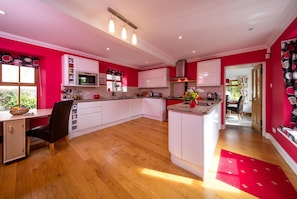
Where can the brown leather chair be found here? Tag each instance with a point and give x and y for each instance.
(238, 108)
(57, 127)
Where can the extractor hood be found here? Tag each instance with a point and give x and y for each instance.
(181, 71)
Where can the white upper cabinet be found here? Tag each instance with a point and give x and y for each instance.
(156, 78)
(209, 73)
(73, 64)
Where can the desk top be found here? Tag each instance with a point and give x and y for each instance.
(33, 113)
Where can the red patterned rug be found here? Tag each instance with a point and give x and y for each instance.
(259, 178)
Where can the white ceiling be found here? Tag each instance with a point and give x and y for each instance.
(211, 28)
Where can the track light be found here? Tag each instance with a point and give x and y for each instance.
(134, 39)
(111, 25)
(124, 33)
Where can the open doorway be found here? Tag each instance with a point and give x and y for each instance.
(238, 90)
(252, 87)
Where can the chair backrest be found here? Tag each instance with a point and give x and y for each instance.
(240, 104)
(59, 120)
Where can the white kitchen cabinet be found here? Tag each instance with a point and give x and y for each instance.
(73, 64)
(89, 114)
(156, 78)
(209, 73)
(136, 107)
(110, 111)
(192, 139)
(154, 108)
(125, 110)
(14, 140)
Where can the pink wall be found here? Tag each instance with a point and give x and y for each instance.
(280, 108)
(51, 72)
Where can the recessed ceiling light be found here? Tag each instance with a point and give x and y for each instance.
(194, 51)
(107, 48)
(2, 12)
(146, 62)
(180, 37)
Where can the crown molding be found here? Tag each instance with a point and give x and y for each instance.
(228, 53)
(289, 15)
(59, 48)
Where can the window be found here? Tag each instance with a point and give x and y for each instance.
(114, 80)
(233, 90)
(18, 86)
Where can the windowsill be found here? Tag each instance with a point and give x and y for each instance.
(289, 136)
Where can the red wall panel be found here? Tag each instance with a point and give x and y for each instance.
(51, 71)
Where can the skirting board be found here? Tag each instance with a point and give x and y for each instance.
(283, 153)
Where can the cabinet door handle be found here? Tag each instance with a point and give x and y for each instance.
(10, 129)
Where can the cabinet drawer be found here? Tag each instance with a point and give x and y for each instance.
(88, 104)
(89, 120)
(83, 111)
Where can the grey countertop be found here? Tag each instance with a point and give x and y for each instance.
(115, 98)
(204, 107)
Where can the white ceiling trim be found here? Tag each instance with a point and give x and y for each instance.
(59, 48)
(287, 18)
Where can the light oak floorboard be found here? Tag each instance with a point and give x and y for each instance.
(130, 160)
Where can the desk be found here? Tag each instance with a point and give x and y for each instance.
(14, 128)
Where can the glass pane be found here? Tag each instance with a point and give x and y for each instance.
(28, 96)
(118, 78)
(10, 73)
(8, 97)
(109, 77)
(27, 75)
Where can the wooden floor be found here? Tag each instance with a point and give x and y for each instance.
(130, 160)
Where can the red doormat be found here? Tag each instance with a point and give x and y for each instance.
(259, 178)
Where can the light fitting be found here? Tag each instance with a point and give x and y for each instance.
(124, 30)
(111, 26)
(134, 39)
(2, 12)
(124, 33)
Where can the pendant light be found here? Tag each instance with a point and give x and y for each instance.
(124, 33)
(111, 26)
(134, 39)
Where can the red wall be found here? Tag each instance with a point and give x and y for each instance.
(51, 71)
(280, 108)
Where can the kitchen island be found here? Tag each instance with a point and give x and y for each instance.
(193, 135)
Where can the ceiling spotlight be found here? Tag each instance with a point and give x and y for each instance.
(180, 37)
(2, 12)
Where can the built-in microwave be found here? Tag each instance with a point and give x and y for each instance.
(87, 79)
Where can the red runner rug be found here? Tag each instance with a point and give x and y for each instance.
(259, 178)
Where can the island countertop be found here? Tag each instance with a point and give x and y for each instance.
(202, 108)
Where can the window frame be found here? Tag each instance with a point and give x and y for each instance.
(20, 84)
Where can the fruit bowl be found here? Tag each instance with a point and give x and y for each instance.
(18, 110)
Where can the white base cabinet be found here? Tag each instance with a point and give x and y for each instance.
(89, 114)
(14, 140)
(154, 108)
(192, 140)
(93, 116)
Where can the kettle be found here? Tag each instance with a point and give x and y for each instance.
(209, 96)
